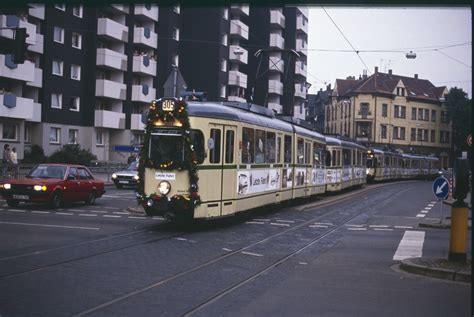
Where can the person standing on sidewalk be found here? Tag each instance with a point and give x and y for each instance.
(14, 161)
(6, 160)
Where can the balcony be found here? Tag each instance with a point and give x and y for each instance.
(275, 106)
(364, 114)
(275, 87)
(276, 63)
(112, 30)
(300, 91)
(8, 69)
(36, 10)
(239, 29)
(111, 59)
(236, 99)
(238, 54)
(277, 41)
(301, 24)
(277, 19)
(38, 46)
(145, 36)
(142, 64)
(240, 9)
(300, 69)
(301, 46)
(237, 78)
(136, 122)
(151, 13)
(14, 107)
(38, 81)
(109, 119)
(143, 93)
(110, 89)
(304, 10)
(122, 8)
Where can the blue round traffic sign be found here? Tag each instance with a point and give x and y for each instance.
(441, 187)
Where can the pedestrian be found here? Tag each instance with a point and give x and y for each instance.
(6, 160)
(14, 161)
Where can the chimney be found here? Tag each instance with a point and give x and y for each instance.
(328, 87)
(416, 76)
(390, 72)
(376, 70)
(364, 74)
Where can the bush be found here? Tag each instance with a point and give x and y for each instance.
(34, 154)
(72, 154)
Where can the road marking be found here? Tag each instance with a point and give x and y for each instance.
(252, 254)
(40, 212)
(137, 217)
(357, 229)
(158, 218)
(303, 263)
(228, 250)
(16, 210)
(279, 224)
(181, 239)
(403, 227)
(420, 216)
(51, 226)
(65, 213)
(431, 205)
(254, 223)
(111, 207)
(287, 221)
(76, 210)
(324, 223)
(410, 246)
(378, 226)
(120, 213)
(383, 229)
(356, 226)
(261, 219)
(97, 211)
(427, 208)
(111, 216)
(87, 215)
(318, 226)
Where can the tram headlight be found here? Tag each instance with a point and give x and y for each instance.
(164, 187)
(114, 176)
(149, 202)
(136, 177)
(7, 186)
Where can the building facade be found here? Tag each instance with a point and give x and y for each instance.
(387, 110)
(91, 71)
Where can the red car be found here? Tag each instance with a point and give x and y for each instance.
(53, 184)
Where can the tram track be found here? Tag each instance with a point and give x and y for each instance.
(207, 264)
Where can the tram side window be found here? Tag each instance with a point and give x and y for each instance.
(386, 161)
(229, 146)
(215, 152)
(247, 145)
(307, 154)
(334, 157)
(259, 146)
(278, 150)
(317, 155)
(270, 153)
(197, 139)
(288, 149)
(346, 157)
(338, 161)
(328, 159)
(300, 151)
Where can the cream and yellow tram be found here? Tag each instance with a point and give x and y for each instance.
(207, 160)
(345, 165)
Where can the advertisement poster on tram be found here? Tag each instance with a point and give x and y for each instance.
(287, 178)
(318, 177)
(333, 176)
(256, 181)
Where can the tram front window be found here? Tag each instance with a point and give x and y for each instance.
(371, 162)
(166, 148)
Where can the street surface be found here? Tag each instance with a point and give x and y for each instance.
(335, 256)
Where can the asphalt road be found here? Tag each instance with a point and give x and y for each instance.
(330, 257)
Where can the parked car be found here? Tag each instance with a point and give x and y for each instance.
(53, 184)
(126, 177)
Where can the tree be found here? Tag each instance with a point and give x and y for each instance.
(72, 154)
(34, 154)
(459, 112)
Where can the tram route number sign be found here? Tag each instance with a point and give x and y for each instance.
(441, 187)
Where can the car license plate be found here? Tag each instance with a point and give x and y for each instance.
(123, 182)
(22, 197)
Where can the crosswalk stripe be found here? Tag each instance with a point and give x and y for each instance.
(410, 246)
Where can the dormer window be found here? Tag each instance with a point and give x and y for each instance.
(400, 91)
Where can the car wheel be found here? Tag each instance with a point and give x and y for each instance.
(56, 201)
(12, 203)
(91, 198)
(119, 186)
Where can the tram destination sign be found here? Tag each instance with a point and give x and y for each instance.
(441, 187)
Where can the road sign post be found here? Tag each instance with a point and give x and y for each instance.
(441, 191)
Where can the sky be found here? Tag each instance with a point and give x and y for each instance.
(427, 31)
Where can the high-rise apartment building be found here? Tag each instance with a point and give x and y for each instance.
(91, 71)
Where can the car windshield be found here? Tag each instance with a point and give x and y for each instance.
(47, 171)
(133, 166)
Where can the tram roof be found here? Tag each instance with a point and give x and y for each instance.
(343, 143)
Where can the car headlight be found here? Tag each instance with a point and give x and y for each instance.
(40, 188)
(7, 186)
(114, 176)
(164, 187)
(136, 177)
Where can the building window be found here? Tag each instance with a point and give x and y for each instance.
(413, 134)
(54, 135)
(27, 134)
(76, 72)
(74, 103)
(73, 134)
(177, 9)
(444, 136)
(99, 138)
(224, 39)
(383, 131)
(61, 7)
(9, 131)
(399, 111)
(225, 14)
(223, 91)
(57, 67)
(433, 115)
(77, 40)
(413, 113)
(400, 91)
(56, 101)
(433, 136)
(444, 117)
(77, 11)
(176, 60)
(137, 139)
(224, 65)
(176, 34)
(58, 35)
(384, 110)
(399, 133)
(364, 109)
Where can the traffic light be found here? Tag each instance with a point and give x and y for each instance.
(20, 46)
(461, 179)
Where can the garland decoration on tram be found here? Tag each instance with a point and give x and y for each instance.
(178, 117)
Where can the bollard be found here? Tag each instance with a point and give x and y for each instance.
(459, 225)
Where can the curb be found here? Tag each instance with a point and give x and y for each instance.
(458, 275)
(136, 210)
(435, 225)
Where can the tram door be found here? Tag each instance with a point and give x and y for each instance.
(221, 181)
